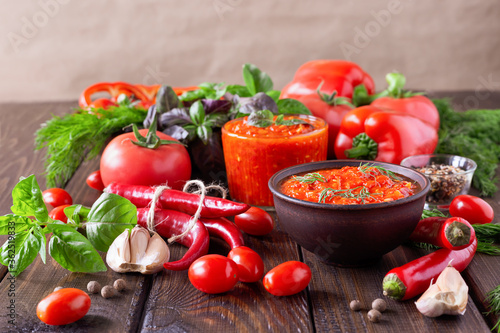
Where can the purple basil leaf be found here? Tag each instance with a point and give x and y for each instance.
(176, 132)
(216, 105)
(259, 102)
(149, 118)
(209, 158)
(177, 116)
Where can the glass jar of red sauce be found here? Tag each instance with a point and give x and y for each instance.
(253, 154)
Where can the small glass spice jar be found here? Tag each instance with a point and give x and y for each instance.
(450, 175)
(253, 154)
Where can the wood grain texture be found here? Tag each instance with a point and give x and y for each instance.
(168, 302)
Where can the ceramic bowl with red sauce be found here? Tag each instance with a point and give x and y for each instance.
(253, 154)
(349, 219)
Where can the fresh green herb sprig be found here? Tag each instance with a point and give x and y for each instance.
(80, 136)
(109, 216)
(493, 298)
(474, 134)
(310, 178)
(329, 193)
(265, 118)
(367, 169)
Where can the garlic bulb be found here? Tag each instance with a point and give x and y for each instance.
(448, 295)
(137, 251)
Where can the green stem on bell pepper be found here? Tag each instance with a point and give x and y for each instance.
(363, 147)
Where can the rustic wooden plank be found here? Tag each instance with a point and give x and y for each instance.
(175, 305)
(333, 288)
(118, 314)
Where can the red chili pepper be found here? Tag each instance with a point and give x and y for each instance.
(453, 233)
(213, 207)
(169, 223)
(225, 229)
(415, 277)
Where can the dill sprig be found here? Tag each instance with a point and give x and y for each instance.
(310, 178)
(367, 169)
(493, 298)
(79, 136)
(488, 232)
(329, 193)
(430, 213)
(474, 134)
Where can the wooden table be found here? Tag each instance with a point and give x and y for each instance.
(168, 302)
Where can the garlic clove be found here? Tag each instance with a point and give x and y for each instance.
(156, 255)
(137, 251)
(448, 295)
(139, 240)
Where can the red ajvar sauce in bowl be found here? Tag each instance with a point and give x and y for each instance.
(253, 154)
(349, 185)
(349, 224)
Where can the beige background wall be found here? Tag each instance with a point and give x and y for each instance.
(53, 49)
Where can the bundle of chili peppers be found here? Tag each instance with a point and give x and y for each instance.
(172, 216)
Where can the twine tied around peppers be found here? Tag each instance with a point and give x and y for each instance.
(201, 191)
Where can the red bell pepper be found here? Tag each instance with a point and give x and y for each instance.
(317, 84)
(369, 132)
(146, 95)
(336, 75)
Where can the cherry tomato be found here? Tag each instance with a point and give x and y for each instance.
(287, 278)
(58, 213)
(213, 274)
(250, 264)
(94, 180)
(56, 197)
(255, 221)
(126, 163)
(474, 209)
(63, 307)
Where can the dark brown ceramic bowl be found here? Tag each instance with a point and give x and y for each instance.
(348, 235)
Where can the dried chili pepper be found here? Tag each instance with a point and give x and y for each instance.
(225, 229)
(453, 233)
(168, 223)
(213, 207)
(414, 278)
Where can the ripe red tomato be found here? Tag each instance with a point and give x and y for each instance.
(56, 197)
(94, 180)
(213, 274)
(58, 213)
(126, 163)
(250, 264)
(255, 221)
(474, 209)
(287, 278)
(63, 307)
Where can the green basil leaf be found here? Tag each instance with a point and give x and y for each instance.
(274, 94)
(216, 119)
(76, 214)
(204, 133)
(73, 251)
(19, 251)
(10, 224)
(292, 106)
(192, 95)
(262, 118)
(38, 233)
(28, 200)
(197, 113)
(290, 122)
(109, 216)
(256, 80)
(236, 89)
